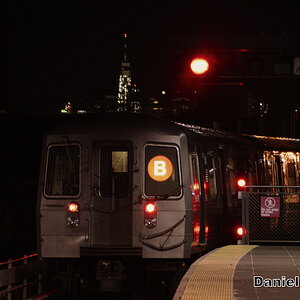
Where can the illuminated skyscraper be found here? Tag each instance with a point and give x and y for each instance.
(126, 101)
(124, 81)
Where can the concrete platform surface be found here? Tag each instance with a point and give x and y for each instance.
(243, 272)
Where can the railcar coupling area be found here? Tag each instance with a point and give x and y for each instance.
(243, 272)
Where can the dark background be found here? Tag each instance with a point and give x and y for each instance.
(58, 51)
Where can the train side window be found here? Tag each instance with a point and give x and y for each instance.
(232, 176)
(114, 176)
(289, 165)
(62, 173)
(271, 168)
(162, 177)
(212, 174)
(196, 188)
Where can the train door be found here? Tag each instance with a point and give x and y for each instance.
(112, 182)
(223, 185)
(202, 197)
(196, 188)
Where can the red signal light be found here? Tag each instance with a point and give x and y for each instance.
(241, 182)
(150, 208)
(73, 207)
(199, 66)
(240, 231)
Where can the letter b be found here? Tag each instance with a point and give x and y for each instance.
(159, 168)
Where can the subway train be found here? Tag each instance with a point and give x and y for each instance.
(121, 190)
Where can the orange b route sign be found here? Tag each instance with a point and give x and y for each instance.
(160, 168)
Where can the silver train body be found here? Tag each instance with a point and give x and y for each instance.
(99, 173)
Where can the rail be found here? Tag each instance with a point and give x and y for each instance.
(23, 278)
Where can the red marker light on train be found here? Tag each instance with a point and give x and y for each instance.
(73, 207)
(150, 214)
(73, 218)
(150, 208)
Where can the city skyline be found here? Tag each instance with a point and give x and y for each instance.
(55, 53)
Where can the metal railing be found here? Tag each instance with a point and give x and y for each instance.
(271, 214)
(22, 278)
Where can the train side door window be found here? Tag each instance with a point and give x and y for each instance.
(212, 174)
(162, 174)
(289, 170)
(63, 171)
(114, 175)
(196, 188)
(231, 166)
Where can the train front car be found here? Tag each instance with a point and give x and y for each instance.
(115, 187)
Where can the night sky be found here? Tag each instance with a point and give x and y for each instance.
(55, 51)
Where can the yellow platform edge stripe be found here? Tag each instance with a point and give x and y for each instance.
(211, 276)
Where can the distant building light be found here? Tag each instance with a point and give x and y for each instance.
(68, 109)
(81, 111)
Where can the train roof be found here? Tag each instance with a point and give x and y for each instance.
(277, 143)
(140, 124)
(214, 133)
(136, 124)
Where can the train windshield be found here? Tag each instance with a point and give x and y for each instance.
(162, 176)
(62, 175)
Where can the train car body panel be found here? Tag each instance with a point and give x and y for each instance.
(119, 189)
(111, 167)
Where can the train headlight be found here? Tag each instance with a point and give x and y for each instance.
(73, 219)
(150, 215)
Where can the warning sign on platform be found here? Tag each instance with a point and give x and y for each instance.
(270, 207)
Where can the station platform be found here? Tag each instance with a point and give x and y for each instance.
(243, 272)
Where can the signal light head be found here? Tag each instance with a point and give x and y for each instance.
(241, 182)
(199, 66)
(240, 231)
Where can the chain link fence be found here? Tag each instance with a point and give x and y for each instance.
(271, 214)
